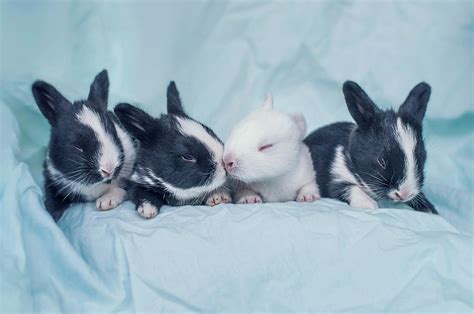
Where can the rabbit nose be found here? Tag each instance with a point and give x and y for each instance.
(106, 172)
(398, 195)
(402, 195)
(229, 165)
(229, 162)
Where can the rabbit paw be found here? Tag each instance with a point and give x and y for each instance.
(308, 193)
(110, 199)
(307, 197)
(218, 198)
(359, 199)
(250, 199)
(147, 210)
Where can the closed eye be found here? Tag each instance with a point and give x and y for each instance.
(78, 148)
(382, 162)
(265, 147)
(188, 158)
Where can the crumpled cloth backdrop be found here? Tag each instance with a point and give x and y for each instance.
(224, 57)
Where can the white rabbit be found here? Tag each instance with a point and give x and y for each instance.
(267, 157)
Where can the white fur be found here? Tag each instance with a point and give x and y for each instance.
(278, 173)
(286, 187)
(113, 197)
(360, 199)
(147, 210)
(407, 140)
(129, 152)
(140, 176)
(308, 193)
(109, 153)
(268, 103)
(246, 196)
(359, 193)
(339, 170)
(194, 129)
(218, 197)
(90, 192)
(187, 194)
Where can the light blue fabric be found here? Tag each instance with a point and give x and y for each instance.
(224, 57)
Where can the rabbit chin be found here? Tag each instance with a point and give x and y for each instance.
(260, 173)
(197, 191)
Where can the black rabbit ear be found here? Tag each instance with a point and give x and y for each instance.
(360, 106)
(173, 101)
(50, 102)
(136, 121)
(99, 91)
(415, 105)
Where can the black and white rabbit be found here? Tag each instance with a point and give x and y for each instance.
(89, 154)
(382, 156)
(179, 161)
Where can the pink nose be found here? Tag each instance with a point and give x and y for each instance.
(229, 162)
(402, 195)
(106, 172)
(398, 195)
(229, 165)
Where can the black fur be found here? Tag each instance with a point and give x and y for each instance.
(173, 103)
(72, 144)
(370, 144)
(179, 160)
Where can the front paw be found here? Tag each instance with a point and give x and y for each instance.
(111, 199)
(308, 197)
(147, 210)
(364, 203)
(218, 198)
(250, 199)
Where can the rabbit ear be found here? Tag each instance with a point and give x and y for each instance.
(415, 105)
(99, 90)
(173, 100)
(300, 121)
(268, 104)
(49, 100)
(360, 106)
(136, 121)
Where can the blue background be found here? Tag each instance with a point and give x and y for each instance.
(225, 56)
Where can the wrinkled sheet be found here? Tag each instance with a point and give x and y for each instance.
(224, 57)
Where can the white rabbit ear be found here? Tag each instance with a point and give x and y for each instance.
(300, 123)
(268, 104)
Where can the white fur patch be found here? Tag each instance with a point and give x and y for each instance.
(218, 197)
(147, 210)
(248, 197)
(68, 187)
(268, 103)
(308, 193)
(109, 153)
(360, 199)
(339, 168)
(194, 129)
(342, 174)
(111, 199)
(407, 140)
(285, 187)
(129, 152)
(140, 177)
(194, 192)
